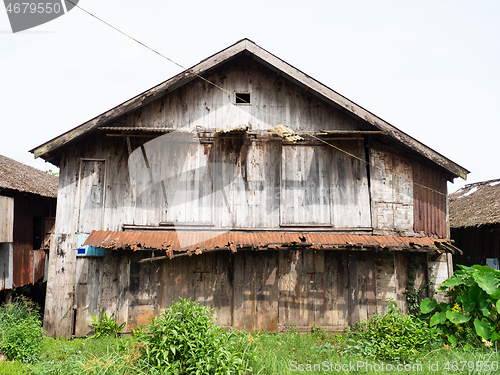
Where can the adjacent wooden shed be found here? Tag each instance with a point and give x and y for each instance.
(475, 223)
(247, 185)
(27, 218)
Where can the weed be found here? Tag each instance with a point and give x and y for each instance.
(105, 325)
(184, 340)
(393, 336)
(21, 330)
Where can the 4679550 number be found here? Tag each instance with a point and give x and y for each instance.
(53, 7)
(471, 366)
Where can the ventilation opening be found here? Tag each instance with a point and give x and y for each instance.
(242, 98)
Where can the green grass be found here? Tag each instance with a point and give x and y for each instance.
(271, 354)
(274, 355)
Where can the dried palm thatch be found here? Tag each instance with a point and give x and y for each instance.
(286, 133)
(21, 177)
(475, 204)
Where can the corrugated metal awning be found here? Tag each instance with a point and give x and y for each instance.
(187, 243)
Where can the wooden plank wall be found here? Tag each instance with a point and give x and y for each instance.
(207, 279)
(312, 291)
(136, 194)
(6, 241)
(391, 193)
(91, 194)
(477, 244)
(250, 290)
(256, 291)
(247, 187)
(349, 186)
(59, 300)
(305, 185)
(6, 219)
(141, 185)
(212, 108)
(6, 265)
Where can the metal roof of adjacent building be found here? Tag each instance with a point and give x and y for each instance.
(475, 204)
(189, 243)
(21, 177)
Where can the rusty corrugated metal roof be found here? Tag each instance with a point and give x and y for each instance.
(199, 242)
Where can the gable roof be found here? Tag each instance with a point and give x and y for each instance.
(272, 62)
(475, 204)
(21, 177)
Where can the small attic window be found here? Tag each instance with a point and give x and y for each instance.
(242, 97)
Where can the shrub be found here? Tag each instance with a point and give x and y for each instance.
(393, 336)
(105, 325)
(21, 330)
(184, 340)
(473, 311)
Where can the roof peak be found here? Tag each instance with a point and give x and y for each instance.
(271, 61)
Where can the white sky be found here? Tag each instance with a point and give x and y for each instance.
(430, 68)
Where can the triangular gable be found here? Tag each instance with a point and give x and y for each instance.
(274, 63)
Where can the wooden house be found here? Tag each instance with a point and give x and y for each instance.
(475, 223)
(246, 185)
(27, 218)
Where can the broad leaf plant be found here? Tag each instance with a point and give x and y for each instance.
(473, 310)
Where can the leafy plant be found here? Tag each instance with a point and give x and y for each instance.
(393, 336)
(105, 325)
(473, 310)
(184, 340)
(21, 330)
(53, 173)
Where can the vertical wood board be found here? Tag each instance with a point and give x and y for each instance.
(6, 219)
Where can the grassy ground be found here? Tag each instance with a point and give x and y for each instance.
(271, 354)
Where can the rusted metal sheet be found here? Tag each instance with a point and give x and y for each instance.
(429, 196)
(206, 241)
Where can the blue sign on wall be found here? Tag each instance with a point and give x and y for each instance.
(87, 251)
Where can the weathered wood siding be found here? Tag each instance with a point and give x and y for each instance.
(391, 193)
(231, 181)
(60, 296)
(6, 219)
(6, 242)
(201, 104)
(477, 243)
(250, 184)
(250, 290)
(6, 265)
(90, 194)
